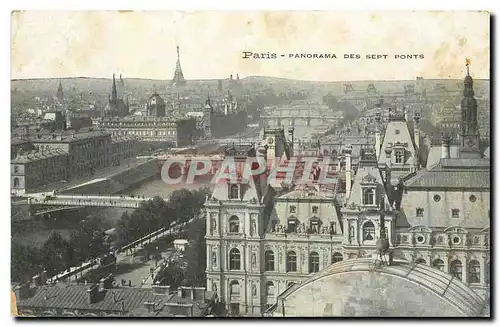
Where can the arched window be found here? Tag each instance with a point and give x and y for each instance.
(474, 272)
(16, 169)
(270, 289)
(368, 196)
(16, 182)
(313, 262)
(234, 259)
(269, 257)
(234, 288)
(421, 261)
(438, 264)
(337, 257)
(234, 192)
(234, 224)
(368, 231)
(456, 269)
(291, 261)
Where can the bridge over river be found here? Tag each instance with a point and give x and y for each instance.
(44, 203)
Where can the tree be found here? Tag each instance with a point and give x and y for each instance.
(196, 252)
(25, 262)
(173, 276)
(56, 253)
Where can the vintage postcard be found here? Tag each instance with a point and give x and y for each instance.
(250, 164)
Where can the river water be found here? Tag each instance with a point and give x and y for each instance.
(35, 232)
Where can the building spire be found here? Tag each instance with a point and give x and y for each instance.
(113, 90)
(469, 131)
(60, 93)
(178, 79)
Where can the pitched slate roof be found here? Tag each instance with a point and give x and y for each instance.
(75, 297)
(453, 173)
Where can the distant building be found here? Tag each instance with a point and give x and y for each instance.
(66, 155)
(155, 106)
(177, 131)
(116, 106)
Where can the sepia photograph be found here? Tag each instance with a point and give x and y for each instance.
(272, 164)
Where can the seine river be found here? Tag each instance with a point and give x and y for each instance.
(35, 232)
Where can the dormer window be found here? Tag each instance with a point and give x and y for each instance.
(234, 191)
(314, 224)
(292, 225)
(368, 196)
(399, 156)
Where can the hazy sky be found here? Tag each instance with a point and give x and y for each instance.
(143, 44)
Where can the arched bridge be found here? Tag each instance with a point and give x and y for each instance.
(41, 203)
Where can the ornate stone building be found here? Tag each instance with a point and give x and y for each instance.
(262, 239)
(116, 107)
(445, 209)
(68, 154)
(178, 131)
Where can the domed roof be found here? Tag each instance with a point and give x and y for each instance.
(155, 100)
(361, 287)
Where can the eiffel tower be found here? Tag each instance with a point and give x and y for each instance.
(178, 79)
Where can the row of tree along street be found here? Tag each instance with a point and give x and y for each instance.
(89, 240)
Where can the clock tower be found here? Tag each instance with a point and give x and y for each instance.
(469, 132)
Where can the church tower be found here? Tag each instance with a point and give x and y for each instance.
(114, 93)
(178, 79)
(469, 132)
(60, 93)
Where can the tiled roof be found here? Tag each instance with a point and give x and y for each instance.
(169, 309)
(37, 155)
(449, 288)
(308, 194)
(75, 297)
(454, 173)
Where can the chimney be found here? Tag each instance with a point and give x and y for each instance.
(150, 306)
(388, 168)
(43, 277)
(36, 280)
(22, 291)
(416, 131)
(445, 147)
(158, 289)
(106, 282)
(388, 159)
(93, 293)
(348, 172)
(377, 142)
(199, 294)
(290, 133)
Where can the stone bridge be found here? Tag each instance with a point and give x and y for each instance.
(276, 120)
(42, 204)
